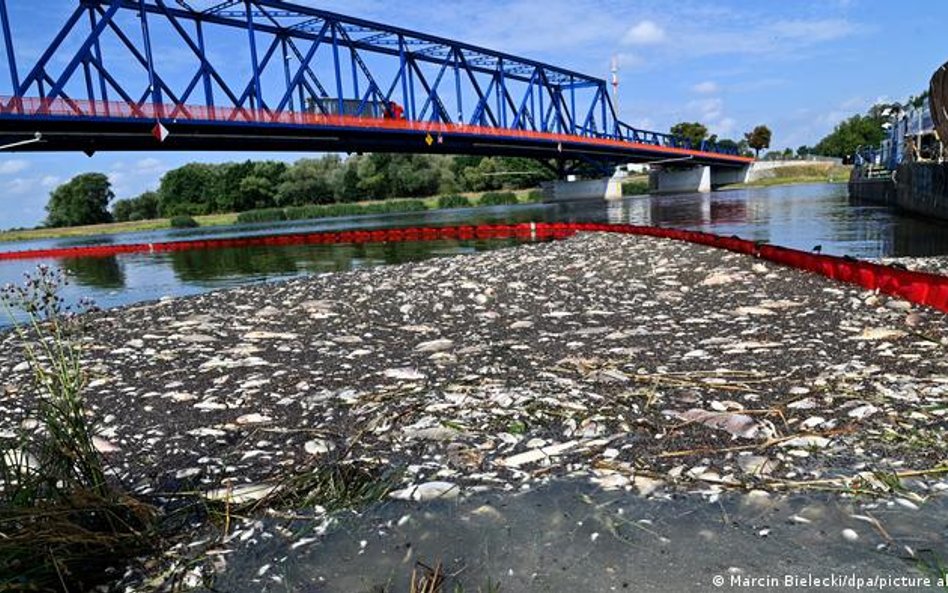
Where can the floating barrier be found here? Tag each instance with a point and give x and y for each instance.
(918, 287)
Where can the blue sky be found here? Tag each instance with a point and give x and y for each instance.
(797, 66)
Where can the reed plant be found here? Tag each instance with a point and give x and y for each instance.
(63, 524)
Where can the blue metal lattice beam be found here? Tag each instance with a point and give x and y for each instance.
(296, 55)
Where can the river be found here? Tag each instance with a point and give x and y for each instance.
(802, 216)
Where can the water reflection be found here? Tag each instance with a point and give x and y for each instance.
(203, 265)
(100, 272)
(800, 216)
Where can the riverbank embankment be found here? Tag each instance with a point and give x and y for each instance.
(626, 359)
(795, 173)
(266, 215)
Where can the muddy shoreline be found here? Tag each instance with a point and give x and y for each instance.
(627, 359)
(636, 364)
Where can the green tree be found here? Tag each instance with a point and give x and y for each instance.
(692, 131)
(729, 144)
(743, 148)
(308, 181)
(188, 190)
(82, 200)
(256, 192)
(521, 173)
(849, 135)
(226, 192)
(144, 207)
(346, 182)
(758, 139)
(122, 210)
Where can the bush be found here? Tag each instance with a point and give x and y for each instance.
(395, 206)
(184, 222)
(453, 201)
(322, 211)
(262, 215)
(314, 211)
(635, 188)
(499, 198)
(536, 195)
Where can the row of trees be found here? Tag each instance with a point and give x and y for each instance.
(851, 134)
(696, 132)
(863, 130)
(199, 188)
(234, 187)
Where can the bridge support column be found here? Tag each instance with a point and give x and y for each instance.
(729, 175)
(607, 188)
(680, 180)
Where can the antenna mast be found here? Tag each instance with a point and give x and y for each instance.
(615, 84)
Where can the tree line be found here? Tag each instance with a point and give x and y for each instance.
(200, 188)
(862, 130)
(696, 132)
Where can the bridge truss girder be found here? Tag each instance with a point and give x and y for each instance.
(164, 54)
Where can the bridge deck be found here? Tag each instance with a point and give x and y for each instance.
(115, 126)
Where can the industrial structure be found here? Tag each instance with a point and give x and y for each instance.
(165, 75)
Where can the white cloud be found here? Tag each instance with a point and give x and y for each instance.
(19, 186)
(707, 109)
(149, 166)
(50, 181)
(629, 61)
(13, 166)
(644, 33)
(708, 87)
(723, 127)
(813, 31)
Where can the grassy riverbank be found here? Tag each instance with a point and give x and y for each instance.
(793, 175)
(432, 203)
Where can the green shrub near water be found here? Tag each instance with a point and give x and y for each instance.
(184, 222)
(635, 188)
(314, 211)
(536, 195)
(453, 201)
(262, 215)
(499, 198)
(395, 206)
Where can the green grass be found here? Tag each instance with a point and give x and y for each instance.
(262, 215)
(792, 175)
(498, 198)
(313, 212)
(635, 187)
(111, 228)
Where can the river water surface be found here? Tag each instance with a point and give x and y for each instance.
(802, 217)
(572, 537)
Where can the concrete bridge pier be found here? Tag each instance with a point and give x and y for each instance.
(568, 190)
(698, 178)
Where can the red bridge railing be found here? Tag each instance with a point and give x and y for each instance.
(32, 107)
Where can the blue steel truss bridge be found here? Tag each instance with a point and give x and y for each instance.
(257, 75)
